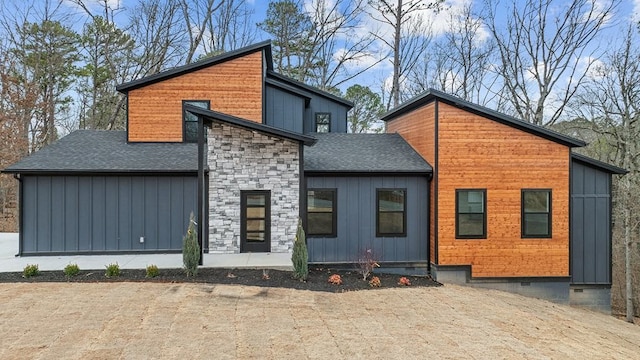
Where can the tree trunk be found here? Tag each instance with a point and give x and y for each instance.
(627, 258)
(395, 87)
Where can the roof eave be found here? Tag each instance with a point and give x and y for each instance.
(311, 89)
(431, 95)
(209, 115)
(599, 164)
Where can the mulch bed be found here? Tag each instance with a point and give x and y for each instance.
(317, 280)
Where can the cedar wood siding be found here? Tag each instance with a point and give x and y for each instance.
(418, 129)
(475, 152)
(234, 87)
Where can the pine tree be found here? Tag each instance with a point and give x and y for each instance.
(300, 257)
(191, 249)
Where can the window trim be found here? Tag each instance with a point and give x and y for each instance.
(184, 118)
(334, 217)
(316, 121)
(484, 215)
(404, 213)
(549, 215)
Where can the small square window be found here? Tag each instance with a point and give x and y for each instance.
(471, 214)
(323, 122)
(190, 121)
(536, 213)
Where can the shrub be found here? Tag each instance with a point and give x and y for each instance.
(300, 257)
(152, 271)
(191, 249)
(113, 270)
(366, 263)
(71, 270)
(335, 279)
(30, 270)
(404, 281)
(374, 282)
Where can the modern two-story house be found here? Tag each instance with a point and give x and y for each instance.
(465, 193)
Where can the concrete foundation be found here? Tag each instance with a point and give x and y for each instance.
(552, 289)
(592, 297)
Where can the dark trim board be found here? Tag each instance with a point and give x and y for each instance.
(435, 182)
(469, 270)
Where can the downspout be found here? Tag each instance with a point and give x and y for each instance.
(201, 194)
(20, 217)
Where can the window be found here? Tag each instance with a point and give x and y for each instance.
(391, 217)
(536, 213)
(190, 121)
(321, 212)
(471, 214)
(323, 122)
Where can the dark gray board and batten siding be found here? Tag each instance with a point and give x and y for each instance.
(590, 225)
(290, 111)
(284, 110)
(356, 217)
(82, 214)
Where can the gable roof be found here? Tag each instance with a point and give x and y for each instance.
(603, 166)
(210, 115)
(180, 70)
(431, 95)
(103, 151)
(363, 153)
(302, 88)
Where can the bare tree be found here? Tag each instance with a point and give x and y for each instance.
(231, 27)
(611, 99)
(409, 38)
(460, 61)
(337, 44)
(197, 15)
(542, 50)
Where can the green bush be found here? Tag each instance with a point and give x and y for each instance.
(71, 270)
(191, 249)
(113, 270)
(300, 257)
(152, 271)
(30, 270)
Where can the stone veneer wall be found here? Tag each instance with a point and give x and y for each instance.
(241, 159)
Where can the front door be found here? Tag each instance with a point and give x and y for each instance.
(255, 213)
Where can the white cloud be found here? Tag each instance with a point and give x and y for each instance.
(635, 15)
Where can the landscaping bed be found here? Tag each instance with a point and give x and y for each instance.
(318, 279)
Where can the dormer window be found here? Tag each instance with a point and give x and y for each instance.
(323, 122)
(190, 121)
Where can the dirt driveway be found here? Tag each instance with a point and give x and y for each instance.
(190, 321)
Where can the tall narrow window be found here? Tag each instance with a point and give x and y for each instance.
(471, 214)
(536, 213)
(323, 122)
(321, 212)
(391, 211)
(190, 121)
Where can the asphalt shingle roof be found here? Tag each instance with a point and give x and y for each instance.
(363, 153)
(108, 151)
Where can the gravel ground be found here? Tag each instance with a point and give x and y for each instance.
(128, 320)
